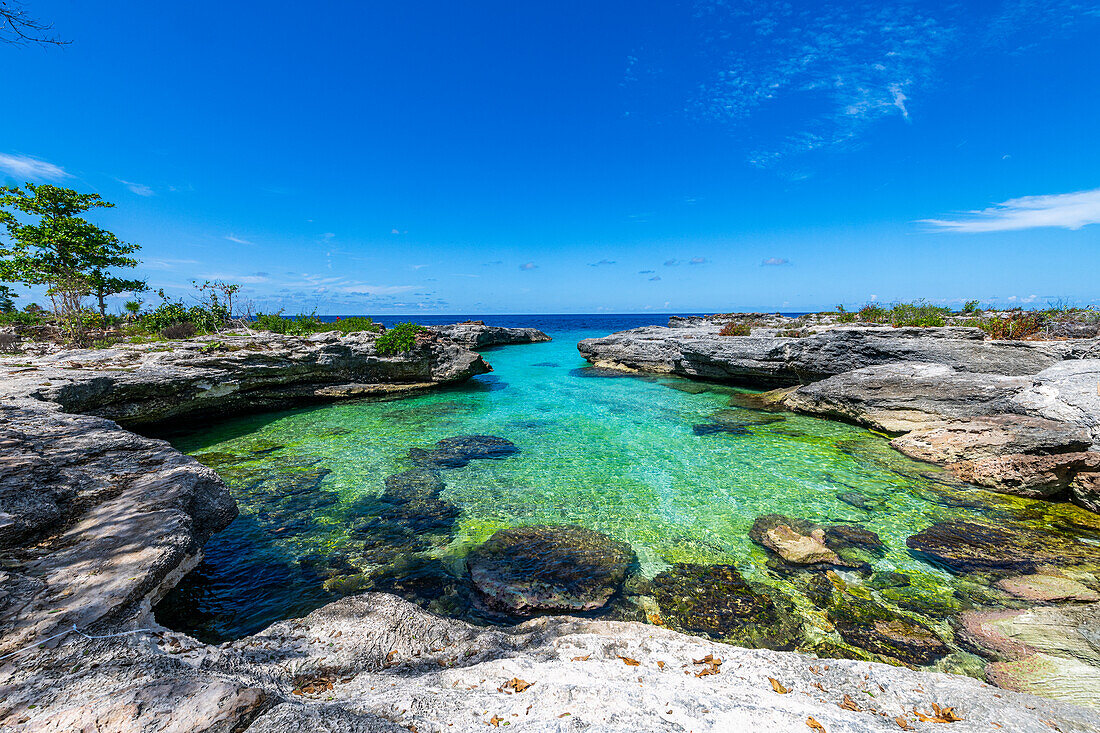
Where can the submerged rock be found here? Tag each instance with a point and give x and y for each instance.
(714, 428)
(800, 542)
(856, 499)
(456, 452)
(549, 568)
(963, 546)
(1047, 588)
(875, 628)
(717, 601)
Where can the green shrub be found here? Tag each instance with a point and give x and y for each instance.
(398, 339)
(847, 318)
(735, 329)
(971, 308)
(1019, 325)
(352, 324)
(204, 318)
(872, 313)
(23, 318)
(919, 313)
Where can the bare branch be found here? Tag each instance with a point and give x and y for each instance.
(18, 27)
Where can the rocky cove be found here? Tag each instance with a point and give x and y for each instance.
(101, 523)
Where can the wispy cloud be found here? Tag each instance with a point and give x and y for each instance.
(698, 261)
(822, 73)
(646, 272)
(774, 262)
(1064, 210)
(655, 278)
(235, 238)
(27, 168)
(528, 266)
(139, 188)
(164, 263)
(671, 263)
(601, 263)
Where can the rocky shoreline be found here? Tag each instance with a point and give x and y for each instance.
(1020, 417)
(98, 523)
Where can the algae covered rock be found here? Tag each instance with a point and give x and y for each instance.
(964, 546)
(549, 568)
(459, 450)
(717, 601)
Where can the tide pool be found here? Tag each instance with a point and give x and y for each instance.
(638, 458)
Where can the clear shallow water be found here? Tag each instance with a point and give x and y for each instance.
(614, 454)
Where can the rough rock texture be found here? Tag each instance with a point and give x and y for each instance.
(693, 348)
(1046, 650)
(899, 398)
(149, 383)
(476, 335)
(989, 436)
(1047, 588)
(1068, 392)
(376, 663)
(1085, 490)
(1023, 475)
(118, 517)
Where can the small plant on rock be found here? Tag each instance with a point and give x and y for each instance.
(735, 329)
(399, 339)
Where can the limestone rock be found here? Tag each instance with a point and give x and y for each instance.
(799, 548)
(1047, 588)
(694, 349)
(1027, 475)
(1084, 490)
(903, 397)
(988, 436)
(1067, 392)
(150, 383)
(544, 567)
(476, 335)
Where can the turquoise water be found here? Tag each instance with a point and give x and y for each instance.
(616, 454)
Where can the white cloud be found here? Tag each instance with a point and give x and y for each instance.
(235, 238)
(528, 266)
(31, 169)
(1065, 210)
(775, 262)
(139, 188)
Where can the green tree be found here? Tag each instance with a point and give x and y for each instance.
(7, 299)
(51, 245)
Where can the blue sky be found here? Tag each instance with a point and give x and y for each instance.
(502, 157)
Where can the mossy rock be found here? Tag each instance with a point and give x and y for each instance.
(459, 450)
(549, 568)
(717, 601)
(874, 627)
(964, 546)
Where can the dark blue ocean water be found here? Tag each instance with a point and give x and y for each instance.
(604, 323)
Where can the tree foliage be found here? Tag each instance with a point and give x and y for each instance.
(51, 245)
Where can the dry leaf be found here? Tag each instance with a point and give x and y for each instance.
(850, 704)
(902, 723)
(945, 715)
(495, 721)
(630, 662)
(814, 724)
(778, 686)
(707, 671)
(660, 664)
(582, 659)
(517, 684)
